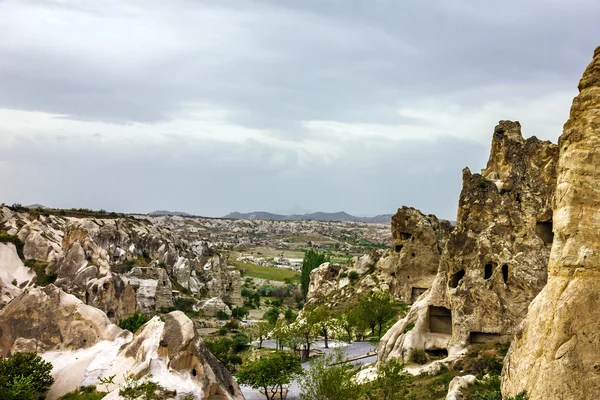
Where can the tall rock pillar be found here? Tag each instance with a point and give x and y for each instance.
(556, 352)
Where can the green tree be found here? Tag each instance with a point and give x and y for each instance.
(376, 310)
(24, 376)
(312, 259)
(391, 383)
(329, 378)
(133, 322)
(258, 331)
(321, 318)
(271, 373)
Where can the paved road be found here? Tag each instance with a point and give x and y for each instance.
(351, 350)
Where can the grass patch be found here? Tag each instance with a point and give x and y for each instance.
(271, 273)
(6, 238)
(42, 278)
(84, 393)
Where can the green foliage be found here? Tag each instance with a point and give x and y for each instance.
(84, 393)
(41, 277)
(222, 331)
(329, 378)
(222, 315)
(290, 315)
(271, 315)
(418, 356)
(267, 290)
(312, 259)
(487, 388)
(6, 238)
(343, 274)
(271, 373)
(409, 327)
(239, 312)
(146, 389)
(353, 275)
(240, 342)
(270, 273)
(376, 310)
(391, 382)
(24, 376)
(133, 322)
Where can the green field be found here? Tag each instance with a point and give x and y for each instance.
(272, 273)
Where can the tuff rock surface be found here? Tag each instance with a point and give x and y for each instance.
(83, 345)
(118, 265)
(494, 261)
(407, 270)
(555, 352)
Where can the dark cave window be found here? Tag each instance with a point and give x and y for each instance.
(413, 254)
(440, 320)
(398, 248)
(454, 279)
(544, 231)
(194, 372)
(405, 235)
(505, 273)
(488, 269)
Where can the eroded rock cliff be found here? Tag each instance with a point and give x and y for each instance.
(494, 262)
(83, 346)
(406, 270)
(555, 352)
(120, 264)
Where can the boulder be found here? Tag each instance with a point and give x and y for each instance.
(555, 352)
(212, 306)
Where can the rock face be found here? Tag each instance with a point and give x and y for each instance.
(119, 265)
(407, 270)
(555, 353)
(43, 319)
(494, 262)
(83, 346)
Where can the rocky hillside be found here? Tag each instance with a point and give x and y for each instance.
(84, 346)
(115, 264)
(407, 270)
(494, 261)
(340, 216)
(555, 354)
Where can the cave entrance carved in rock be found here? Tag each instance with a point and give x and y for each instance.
(415, 293)
(440, 320)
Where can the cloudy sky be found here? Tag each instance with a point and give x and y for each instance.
(217, 106)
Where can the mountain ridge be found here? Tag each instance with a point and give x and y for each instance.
(316, 216)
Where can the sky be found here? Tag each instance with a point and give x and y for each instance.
(211, 107)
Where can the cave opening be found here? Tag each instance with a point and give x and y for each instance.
(405, 235)
(110, 314)
(455, 278)
(440, 320)
(484, 337)
(437, 354)
(194, 372)
(544, 230)
(416, 292)
(398, 248)
(488, 270)
(505, 273)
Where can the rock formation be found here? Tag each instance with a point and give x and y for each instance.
(120, 264)
(407, 270)
(83, 346)
(555, 352)
(494, 262)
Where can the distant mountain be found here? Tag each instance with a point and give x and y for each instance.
(43, 207)
(164, 212)
(317, 216)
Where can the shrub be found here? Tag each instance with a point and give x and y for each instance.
(24, 376)
(222, 331)
(329, 378)
(146, 389)
(239, 312)
(41, 277)
(266, 290)
(231, 325)
(235, 359)
(84, 393)
(418, 356)
(344, 274)
(353, 275)
(6, 238)
(240, 342)
(133, 322)
(222, 315)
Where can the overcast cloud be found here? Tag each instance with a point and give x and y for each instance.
(217, 106)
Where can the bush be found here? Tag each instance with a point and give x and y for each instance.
(344, 274)
(290, 315)
(272, 315)
(267, 290)
(231, 325)
(222, 315)
(24, 376)
(146, 389)
(240, 342)
(84, 393)
(353, 275)
(222, 331)
(6, 238)
(41, 277)
(329, 378)
(239, 312)
(235, 359)
(418, 356)
(133, 322)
